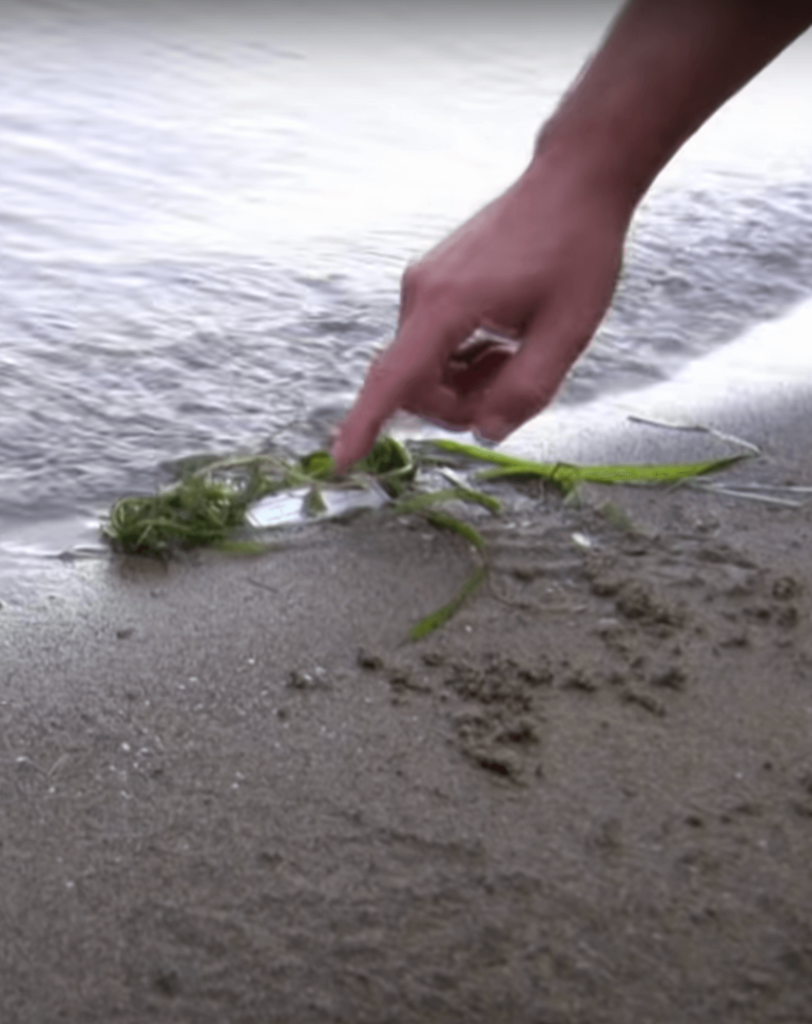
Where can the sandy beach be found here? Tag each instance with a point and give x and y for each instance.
(231, 792)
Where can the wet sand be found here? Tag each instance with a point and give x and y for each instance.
(231, 792)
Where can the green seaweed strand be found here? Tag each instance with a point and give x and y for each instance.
(209, 503)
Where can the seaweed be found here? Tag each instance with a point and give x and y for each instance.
(209, 504)
(568, 476)
(197, 511)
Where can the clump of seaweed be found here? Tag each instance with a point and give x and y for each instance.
(196, 511)
(209, 505)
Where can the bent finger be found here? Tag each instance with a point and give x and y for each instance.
(527, 382)
(442, 406)
(473, 369)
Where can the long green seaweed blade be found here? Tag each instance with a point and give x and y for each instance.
(441, 616)
(420, 502)
(666, 473)
(623, 473)
(477, 452)
(567, 475)
(510, 466)
(449, 522)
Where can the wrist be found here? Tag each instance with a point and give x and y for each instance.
(663, 70)
(610, 136)
(591, 171)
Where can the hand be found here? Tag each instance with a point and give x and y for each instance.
(538, 265)
(541, 262)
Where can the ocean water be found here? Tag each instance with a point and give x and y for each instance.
(205, 213)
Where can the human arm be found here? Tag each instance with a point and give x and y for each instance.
(540, 263)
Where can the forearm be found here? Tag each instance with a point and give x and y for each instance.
(662, 71)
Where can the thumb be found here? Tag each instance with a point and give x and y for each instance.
(528, 381)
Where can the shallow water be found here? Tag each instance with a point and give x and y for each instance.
(204, 225)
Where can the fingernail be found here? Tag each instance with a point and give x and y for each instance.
(493, 429)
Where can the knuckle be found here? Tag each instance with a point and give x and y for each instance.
(380, 375)
(441, 293)
(525, 398)
(394, 377)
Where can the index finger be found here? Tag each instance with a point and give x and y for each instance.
(413, 362)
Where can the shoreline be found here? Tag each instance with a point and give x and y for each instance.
(754, 388)
(231, 790)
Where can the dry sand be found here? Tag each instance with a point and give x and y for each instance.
(230, 793)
